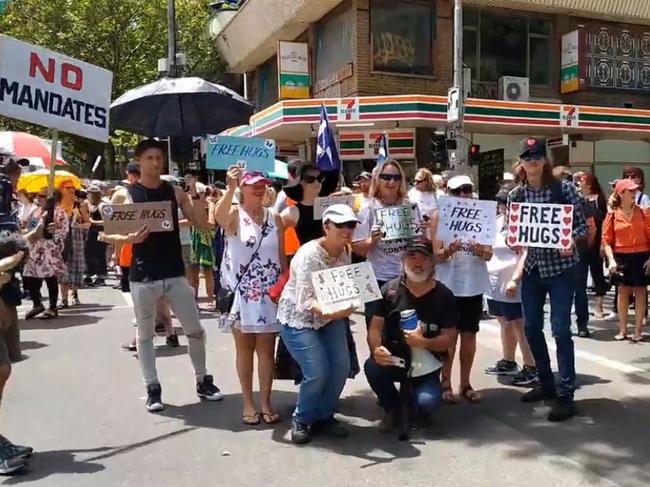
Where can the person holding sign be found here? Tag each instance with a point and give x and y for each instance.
(548, 271)
(462, 268)
(317, 340)
(626, 238)
(388, 196)
(157, 271)
(253, 261)
(410, 335)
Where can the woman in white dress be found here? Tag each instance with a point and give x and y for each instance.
(253, 261)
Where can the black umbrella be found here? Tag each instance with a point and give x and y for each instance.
(179, 107)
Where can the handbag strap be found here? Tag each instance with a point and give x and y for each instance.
(259, 244)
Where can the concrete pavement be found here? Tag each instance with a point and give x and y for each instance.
(79, 400)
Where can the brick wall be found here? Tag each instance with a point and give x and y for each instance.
(369, 83)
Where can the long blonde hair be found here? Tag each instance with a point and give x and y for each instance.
(614, 201)
(427, 175)
(374, 185)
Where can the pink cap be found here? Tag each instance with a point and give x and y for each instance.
(625, 185)
(254, 177)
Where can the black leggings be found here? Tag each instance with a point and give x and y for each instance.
(125, 287)
(33, 285)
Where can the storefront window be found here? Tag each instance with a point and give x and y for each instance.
(267, 83)
(402, 34)
(333, 45)
(500, 45)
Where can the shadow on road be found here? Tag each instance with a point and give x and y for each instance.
(59, 323)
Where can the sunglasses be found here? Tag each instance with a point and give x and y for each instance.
(390, 177)
(347, 225)
(312, 178)
(463, 189)
(532, 158)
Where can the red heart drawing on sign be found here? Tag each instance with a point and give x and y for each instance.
(514, 206)
(566, 220)
(566, 231)
(567, 209)
(565, 242)
(512, 239)
(513, 228)
(514, 218)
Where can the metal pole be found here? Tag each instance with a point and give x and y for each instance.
(246, 86)
(461, 165)
(171, 38)
(53, 151)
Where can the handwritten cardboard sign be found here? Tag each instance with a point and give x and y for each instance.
(344, 286)
(321, 204)
(395, 221)
(256, 153)
(543, 225)
(124, 219)
(466, 219)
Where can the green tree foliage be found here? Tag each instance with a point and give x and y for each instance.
(126, 37)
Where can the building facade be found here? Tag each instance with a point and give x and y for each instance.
(578, 72)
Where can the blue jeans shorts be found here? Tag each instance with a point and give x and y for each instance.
(507, 311)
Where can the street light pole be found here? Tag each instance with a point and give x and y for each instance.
(460, 153)
(171, 38)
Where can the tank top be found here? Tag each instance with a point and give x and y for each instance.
(307, 228)
(159, 256)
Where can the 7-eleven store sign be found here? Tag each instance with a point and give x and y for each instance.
(355, 145)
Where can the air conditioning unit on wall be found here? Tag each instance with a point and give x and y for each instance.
(513, 88)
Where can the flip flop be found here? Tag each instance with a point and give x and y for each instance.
(251, 419)
(271, 418)
(620, 338)
(637, 339)
(448, 395)
(471, 395)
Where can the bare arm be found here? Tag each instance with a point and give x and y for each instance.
(284, 262)
(193, 210)
(225, 214)
(12, 261)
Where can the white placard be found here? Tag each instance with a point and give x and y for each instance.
(47, 88)
(321, 204)
(395, 221)
(344, 286)
(542, 225)
(466, 220)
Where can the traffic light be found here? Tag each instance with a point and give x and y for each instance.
(474, 154)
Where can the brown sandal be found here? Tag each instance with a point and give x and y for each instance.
(251, 419)
(271, 418)
(470, 395)
(448, 395)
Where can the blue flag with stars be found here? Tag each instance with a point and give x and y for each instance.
(327, 155)
(382, 149)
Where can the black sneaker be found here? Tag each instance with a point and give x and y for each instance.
(160, 327)
(527, 376)
(562, 410)
(207, 390)
(584, 333)
(34, 312)
(503, 367)
(537, 394)
(154, 398)
(172, 341)
(10, 466)
(330, 427)
(17, 451)
(300, 433)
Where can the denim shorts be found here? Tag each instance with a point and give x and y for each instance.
(508, 311)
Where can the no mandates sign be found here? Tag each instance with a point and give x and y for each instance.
(47, 88)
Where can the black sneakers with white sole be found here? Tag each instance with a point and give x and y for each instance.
(154, 398)
(206, 389)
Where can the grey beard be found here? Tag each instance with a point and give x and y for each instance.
(416, 276)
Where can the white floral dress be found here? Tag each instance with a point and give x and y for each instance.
(252, 310)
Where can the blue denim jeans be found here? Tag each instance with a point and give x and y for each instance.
(560, 289)
(427, 391)
(580, 300)
(324, 360)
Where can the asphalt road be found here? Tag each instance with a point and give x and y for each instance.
(79, 401)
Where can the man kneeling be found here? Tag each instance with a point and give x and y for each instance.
(416, 321)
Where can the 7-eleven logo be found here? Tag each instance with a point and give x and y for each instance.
(569, 116)
(348, 110)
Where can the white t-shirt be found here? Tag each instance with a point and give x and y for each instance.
(386, 256)
(427, 202)
(642, 200)
(464, 273)
(501, 267)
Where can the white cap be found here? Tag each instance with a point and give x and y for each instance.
(458, 181)
(339, 214)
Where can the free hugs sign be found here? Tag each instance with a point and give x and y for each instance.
(466, 220)
(542, 225)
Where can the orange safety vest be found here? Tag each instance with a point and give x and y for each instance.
(291, 242)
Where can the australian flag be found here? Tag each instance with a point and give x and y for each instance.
(382, 149)
(327, 156)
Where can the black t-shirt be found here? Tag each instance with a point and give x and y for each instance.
(307, 229)
(435, 309)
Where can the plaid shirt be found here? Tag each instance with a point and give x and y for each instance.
(549, 262)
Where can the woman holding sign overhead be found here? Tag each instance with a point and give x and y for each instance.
(253, 261)
(387, 222)
(626, 238)
(462, 267)
(316, 339)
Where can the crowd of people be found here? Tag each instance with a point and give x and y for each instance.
(256, 245)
